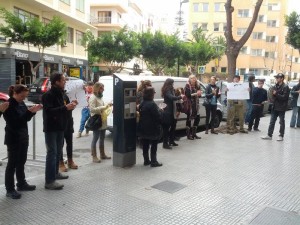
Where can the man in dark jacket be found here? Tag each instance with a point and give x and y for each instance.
(280, 95)
(55, 117)
(296, 108)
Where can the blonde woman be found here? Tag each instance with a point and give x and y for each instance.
(192, 92)
(97, 105)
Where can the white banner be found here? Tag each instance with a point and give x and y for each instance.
(238, 91)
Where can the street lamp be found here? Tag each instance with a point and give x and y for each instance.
(180, 23)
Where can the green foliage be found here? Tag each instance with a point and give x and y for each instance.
(114, 48)
(159, 50)
(32, 31)
(293, 36)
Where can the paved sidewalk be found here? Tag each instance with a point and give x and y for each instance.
(218, 180)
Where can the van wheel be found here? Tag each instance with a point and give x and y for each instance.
(217, 120)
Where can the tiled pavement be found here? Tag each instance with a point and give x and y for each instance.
(227, 179)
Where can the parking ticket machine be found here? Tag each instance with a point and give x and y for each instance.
(124, 121)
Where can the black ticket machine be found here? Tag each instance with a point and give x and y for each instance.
(124, 120)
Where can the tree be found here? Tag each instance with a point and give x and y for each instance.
(114, 48)
(293, 36)
(159, 50)
(32, 32)
(233, 46)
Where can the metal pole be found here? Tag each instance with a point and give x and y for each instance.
(33, 139)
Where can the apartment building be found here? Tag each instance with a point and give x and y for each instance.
(265, 52)
(71, 56)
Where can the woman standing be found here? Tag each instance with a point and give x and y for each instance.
(167, 92)
(149, 127)
(97, 105)
(143, 85)
(192, 92)
(17, 140)
(212, 93)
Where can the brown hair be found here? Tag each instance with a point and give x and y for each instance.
(144, 84)
(148, 93)
(168, 85)
(18, 88)
(55, 76)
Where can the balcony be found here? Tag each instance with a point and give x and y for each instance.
(107, 23)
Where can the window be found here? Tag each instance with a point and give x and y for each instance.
(70, 35)
(104, 16)
(24, 15)
(271, 23)
(79, 36)
(196, 7)
(241, 31)
(270, 55)
(219, 7)
(224, 27)
(204, 7)
(270, 38)
(242, 71)
(256, 52)
(273, 7)
(243, 13)
(213, 69)
(296, 60)
(204, 26)
(80, 5)
(257, 35)
(46, 21)
(216, 27)
(223, 69)
(195, 26)
(243, 50)
(65, 1)
(260, 19)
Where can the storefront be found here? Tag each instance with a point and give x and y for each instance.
(15, 67)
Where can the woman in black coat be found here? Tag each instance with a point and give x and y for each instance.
(169, 114)
(17, 140)
(149, 127)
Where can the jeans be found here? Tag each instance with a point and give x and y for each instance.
(85, 114)
(96, 135)
(248, 112)
(54, 144)
(274, 115)
(255, 115)
(210, 110)
(296, 114)
(17, 156)
(68, 136)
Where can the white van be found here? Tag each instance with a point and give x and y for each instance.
(157, 83)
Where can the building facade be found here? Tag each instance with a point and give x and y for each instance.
(265, 52)
(14, 64)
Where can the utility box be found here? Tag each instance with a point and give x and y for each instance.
(124, 121)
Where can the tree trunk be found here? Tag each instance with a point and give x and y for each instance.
(231, 63)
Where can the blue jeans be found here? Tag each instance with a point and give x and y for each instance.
(274, 115)
(85, 114)
(248, 112)
(54, 144)
(295, 117)
(98, 134)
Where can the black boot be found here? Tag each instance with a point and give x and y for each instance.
(146, 157)
(194, 133)
(166, 142)
(154, 162)
(213, 131)
(189, 133)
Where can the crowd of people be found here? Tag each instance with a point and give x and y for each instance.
(155, 122)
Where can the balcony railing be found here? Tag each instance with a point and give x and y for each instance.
(101, 20)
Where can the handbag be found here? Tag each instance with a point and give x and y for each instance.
(94, 122)
(205, 102)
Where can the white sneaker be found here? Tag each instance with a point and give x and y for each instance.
(280, 138)
(266, 137)
(78, 135)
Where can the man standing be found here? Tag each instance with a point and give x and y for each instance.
(251, 79)
(296, 109)
(235, 107)
(259, 96)
(54, 121)
(280, 95)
